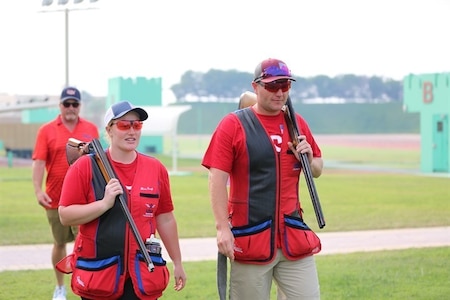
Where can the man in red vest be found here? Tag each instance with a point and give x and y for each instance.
(259, 220)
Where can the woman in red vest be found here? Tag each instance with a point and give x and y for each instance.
(107, 262)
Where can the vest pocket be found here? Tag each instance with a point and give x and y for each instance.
(299, 240)
(97, 277)
(150, 283)
(253, 242)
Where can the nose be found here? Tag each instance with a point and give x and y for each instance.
(279, 92)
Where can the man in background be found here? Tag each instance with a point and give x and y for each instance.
(50, 157)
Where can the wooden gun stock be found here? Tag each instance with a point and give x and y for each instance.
(294, 132)
(246, 99)
(74, 149)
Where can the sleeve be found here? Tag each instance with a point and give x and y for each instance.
(220, 151)
(304, 130)
(40, 148)
(165, 199)
(77, 185)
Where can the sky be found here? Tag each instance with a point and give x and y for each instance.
(134, 38)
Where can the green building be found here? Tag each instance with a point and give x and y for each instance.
(429, 94)
(140, 91)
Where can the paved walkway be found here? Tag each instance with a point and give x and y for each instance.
(38, 256)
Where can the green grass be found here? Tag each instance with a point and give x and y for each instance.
(394, 158)
(359, 201)
(420, 274)
(195, 145)
(350, 201)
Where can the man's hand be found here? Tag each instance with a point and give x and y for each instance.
(225, 242)
(316, 163)
(43, 199)
(302, 147)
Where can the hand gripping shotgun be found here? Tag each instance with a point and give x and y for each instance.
(76, 148)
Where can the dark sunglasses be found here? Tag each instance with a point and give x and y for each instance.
(127, 124)
(68, 104)
(276, 85)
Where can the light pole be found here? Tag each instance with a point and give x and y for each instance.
(48, 3)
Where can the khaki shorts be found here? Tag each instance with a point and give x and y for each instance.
(295, 279)
(61, 234)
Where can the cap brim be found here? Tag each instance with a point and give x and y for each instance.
(270, 79)
(141, 113)
(70, 98)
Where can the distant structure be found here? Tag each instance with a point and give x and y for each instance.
(162, 121)
(20, 119)
(429, 94)
(140, 91)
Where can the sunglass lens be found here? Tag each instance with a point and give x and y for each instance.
(126, 125)
(123, 125)
(274, 87)
(137, 125)
(68, 104)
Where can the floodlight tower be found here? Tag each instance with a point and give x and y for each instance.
(65, 8)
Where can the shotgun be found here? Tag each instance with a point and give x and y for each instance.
(107, 171)
(294, 132)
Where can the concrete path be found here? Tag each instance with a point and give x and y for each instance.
(31, 257)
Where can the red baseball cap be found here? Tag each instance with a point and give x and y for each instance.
(272, 69)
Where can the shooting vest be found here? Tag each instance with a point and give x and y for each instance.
(266, 225)
(106, 252)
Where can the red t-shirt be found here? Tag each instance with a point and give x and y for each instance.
(78, 188)
(228, 152)
(50, 146)
(227, 144)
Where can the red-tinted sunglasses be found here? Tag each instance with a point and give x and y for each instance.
(127, 124)
(275, 86)
(68, 104)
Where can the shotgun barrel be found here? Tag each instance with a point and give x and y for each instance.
(294, 132)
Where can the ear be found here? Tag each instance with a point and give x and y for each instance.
(254, 86)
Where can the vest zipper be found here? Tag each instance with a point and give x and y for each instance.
(277, 204)
(127, 237)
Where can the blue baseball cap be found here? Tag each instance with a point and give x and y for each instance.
(70, 93)
(121, 108)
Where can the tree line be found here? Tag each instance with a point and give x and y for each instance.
(225, 86)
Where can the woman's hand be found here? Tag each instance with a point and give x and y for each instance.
(112, 190)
